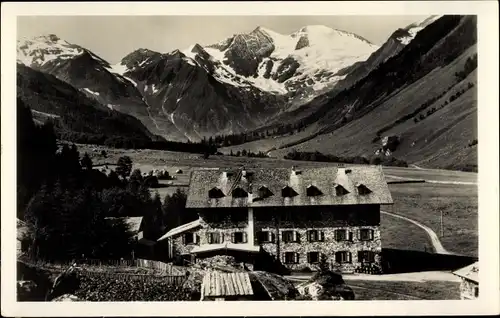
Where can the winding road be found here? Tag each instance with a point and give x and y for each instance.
(436, 243)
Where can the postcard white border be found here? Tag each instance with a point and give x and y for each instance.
(488, 302)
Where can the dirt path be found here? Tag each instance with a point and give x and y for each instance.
(407, 277)
(416, 167)
(436, 243)
(433, 181)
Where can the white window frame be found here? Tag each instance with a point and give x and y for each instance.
(244, 237)
(295, 258)
(295, 237)
(211, 240)
(370, 232)
(344, 260)
(269, 235)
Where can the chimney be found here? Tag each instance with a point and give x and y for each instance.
(295, 171)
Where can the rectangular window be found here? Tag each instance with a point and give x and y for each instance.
(366, 256)
(313, 257)
(265, 237)
(291, 258)
(315, 236)
(340, 235)
(190, 238)
(214, 238)
(343, 257)
(366, 234)
(290, 236)
(238, 237)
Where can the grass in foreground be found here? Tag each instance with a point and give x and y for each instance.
(423, 203)
(401, 234)
(403, 290)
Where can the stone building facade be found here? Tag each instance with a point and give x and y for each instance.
(299, 217)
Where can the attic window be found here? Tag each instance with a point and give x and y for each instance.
(264, 192)
(288, 192)
(215, 193)
(362, 189)
(313, 191)
(340, 190)
(239, 193)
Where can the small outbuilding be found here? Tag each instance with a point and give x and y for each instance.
(179, 171)
(469, 286)
(221, 286)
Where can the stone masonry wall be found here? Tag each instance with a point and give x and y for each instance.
(329, 246)
(327, 223)
(467, 289)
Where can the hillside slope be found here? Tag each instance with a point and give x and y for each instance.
(77, 117)
(441, 140)
(418, 80)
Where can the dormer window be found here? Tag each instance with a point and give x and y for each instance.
(239, 193)
(264, 192)
(288, 192)
(362, 189)
(313, 191)
(215, 193)
(340, 190)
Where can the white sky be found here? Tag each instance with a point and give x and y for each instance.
(113, 37)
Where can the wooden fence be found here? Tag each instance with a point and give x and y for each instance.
(171, 280)
(163, 268)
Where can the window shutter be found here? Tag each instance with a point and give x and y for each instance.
(294, 237)
(358, 234)
(209, 238)
(183, 239)
(270, 237)
(221, 237)
(296, 257)
(245, 237)
(322, 236)
(195, 238)
(336, 235)
(309, 257)
(349, 257)
(232, 237)
(371, 234)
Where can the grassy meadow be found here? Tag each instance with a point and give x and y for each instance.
(419, 201)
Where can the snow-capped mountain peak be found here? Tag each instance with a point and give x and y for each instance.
(41, 49)
(303, 62)
(416, 27)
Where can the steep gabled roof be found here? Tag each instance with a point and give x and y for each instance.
(181, 229)
(277, 179)
(470, 272)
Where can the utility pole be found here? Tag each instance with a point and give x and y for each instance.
(442, 227)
